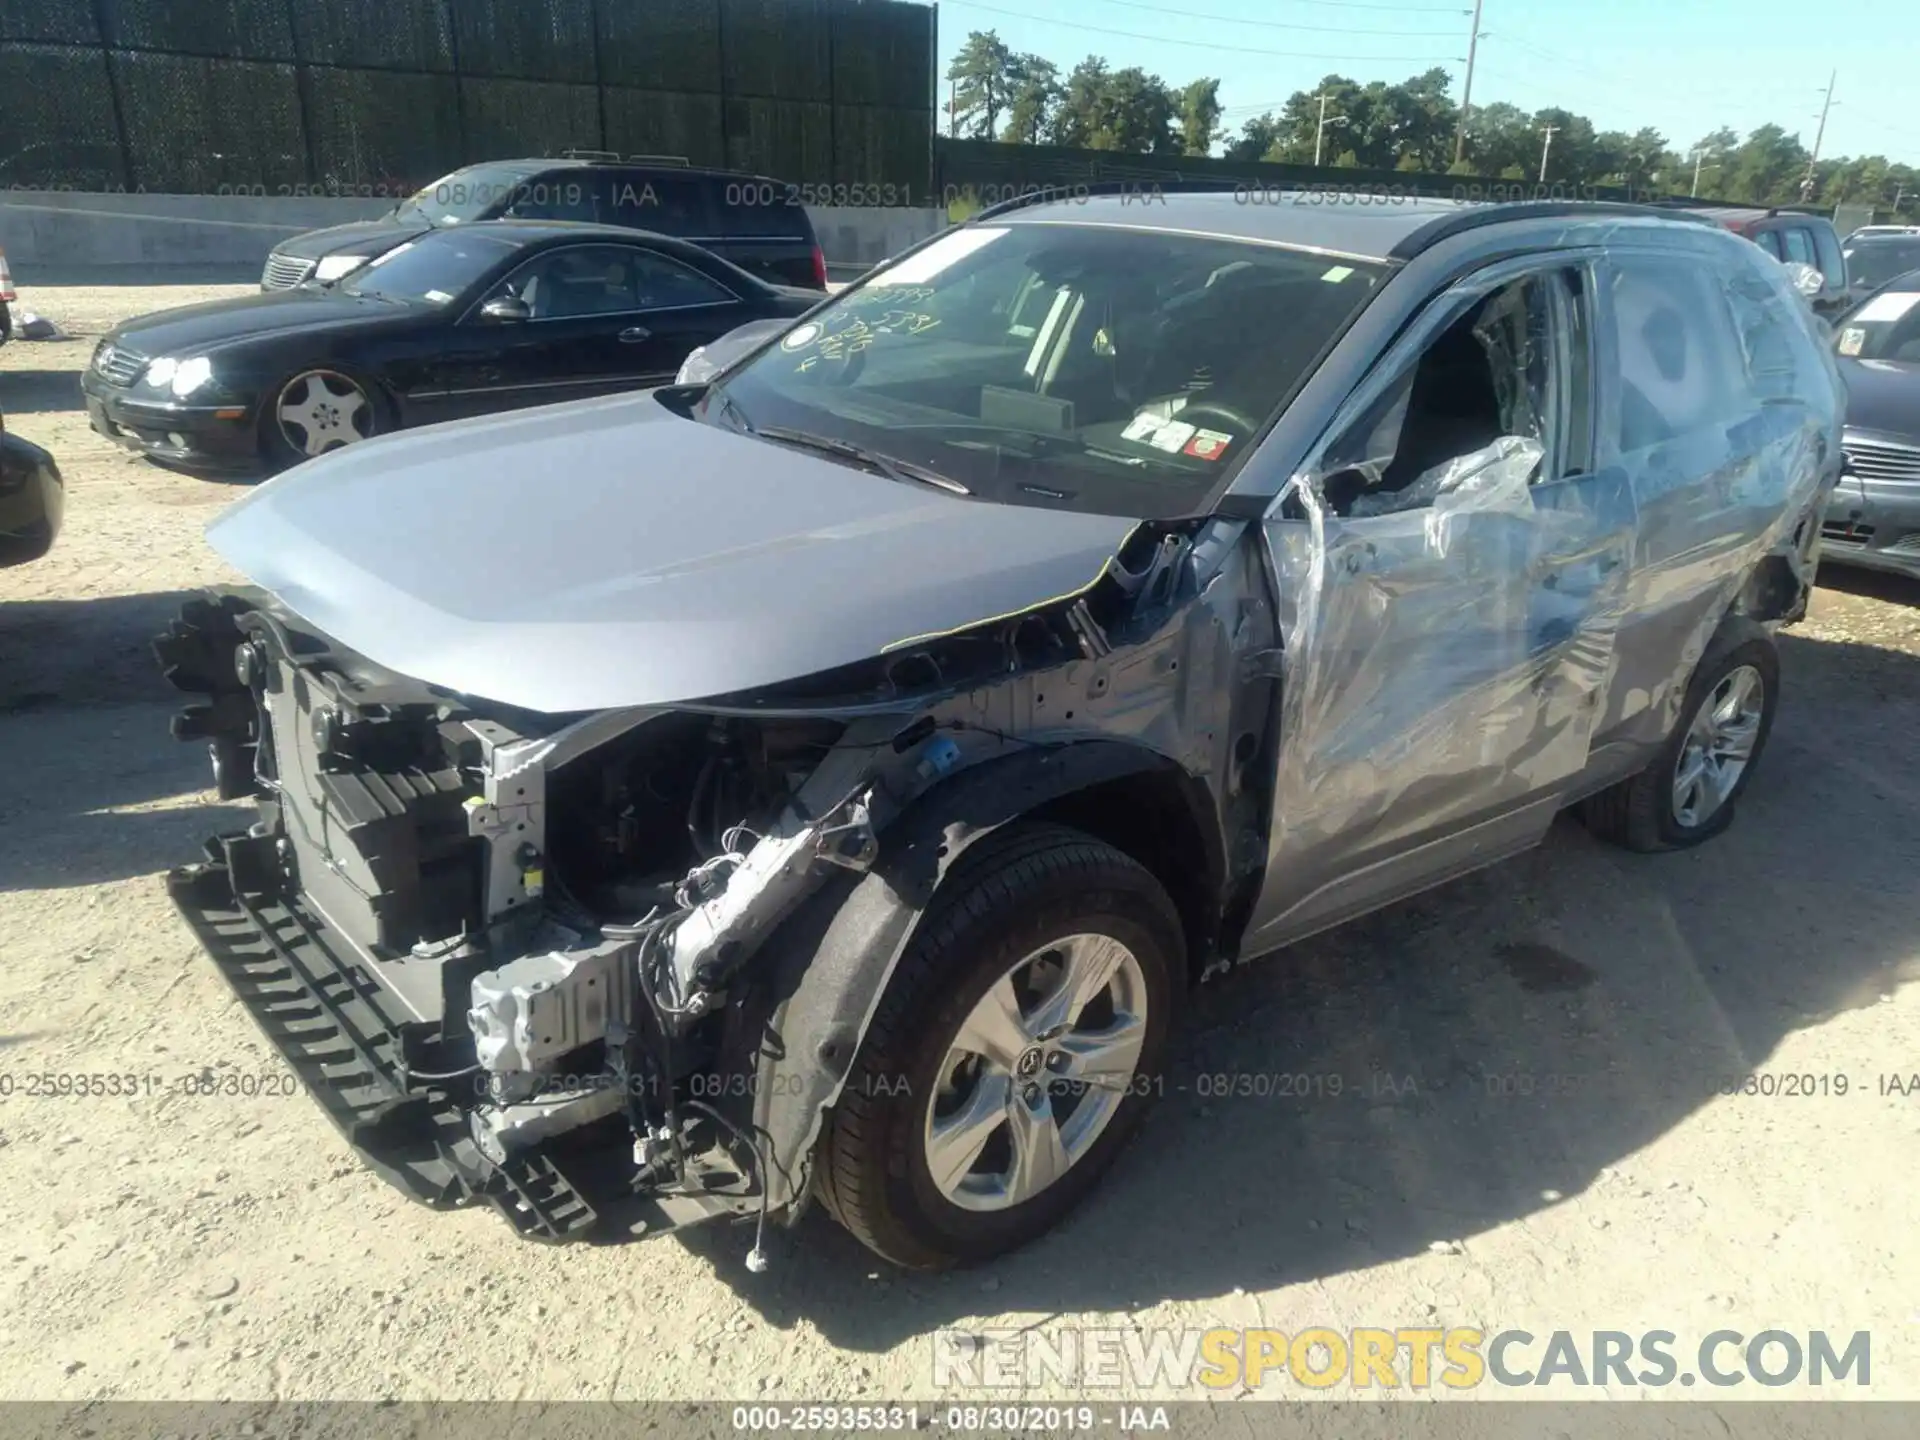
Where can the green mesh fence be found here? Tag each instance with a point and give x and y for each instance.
(662, 45)
(374, 34)
(202, 126)
(67, 22)
(507, 118)
(661, 122)
(56, 120)
(377, 133)
(376, 97)
(242, 29)
(777, 49)
(526, 39)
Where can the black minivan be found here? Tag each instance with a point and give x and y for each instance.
(755, 222)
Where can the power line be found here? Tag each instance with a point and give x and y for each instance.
(1323, 29)
(1202, 44)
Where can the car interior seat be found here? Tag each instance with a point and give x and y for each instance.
(1453, 410)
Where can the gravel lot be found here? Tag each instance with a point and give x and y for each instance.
(206, 1248)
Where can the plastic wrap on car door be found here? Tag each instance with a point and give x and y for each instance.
(1716, 500)
(1444, 660)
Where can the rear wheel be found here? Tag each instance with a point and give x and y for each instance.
(317, 411)
(1687, 794)
(1013, 1052)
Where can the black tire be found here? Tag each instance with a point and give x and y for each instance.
(1638, 813)
(1010, 895)
(275, 449)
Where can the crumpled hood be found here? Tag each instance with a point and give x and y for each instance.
(610, 553)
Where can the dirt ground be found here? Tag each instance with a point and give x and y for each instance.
(1552, 1151)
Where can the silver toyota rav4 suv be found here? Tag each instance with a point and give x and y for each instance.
(827, 781)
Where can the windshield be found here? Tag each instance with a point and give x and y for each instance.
(464, 195)
(432, 270)
(1876, 262)
(1887, 327)
(1096, 368)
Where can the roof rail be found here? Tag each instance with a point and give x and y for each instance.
(657, 159)
(573, 154)
(1473, 217)
(1081, 189)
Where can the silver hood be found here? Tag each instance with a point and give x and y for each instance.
(609, 553)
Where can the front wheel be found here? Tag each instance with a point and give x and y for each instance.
(1687, 794)
(1015, 1049)
(317, 411)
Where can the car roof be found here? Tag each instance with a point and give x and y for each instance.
(653, 165)
(530, 232)
(1355, 226)
(538, 232)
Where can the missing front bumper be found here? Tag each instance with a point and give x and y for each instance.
(337, 1030)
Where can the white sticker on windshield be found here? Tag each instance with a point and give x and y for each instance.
(1172, 435)
(1888, 307)
(951, 248)
(438, 297)
(1142, 425)
(804, 336)
(1338, 273)
(1851, 339)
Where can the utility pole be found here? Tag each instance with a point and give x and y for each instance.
(1466, 87)
(1806, 185)
(953, 109)
(1320, 131)
(1546, 146)
(1699, 159)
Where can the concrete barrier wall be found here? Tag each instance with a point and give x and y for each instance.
(59, 232)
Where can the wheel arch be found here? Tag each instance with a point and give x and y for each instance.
(793, 1037)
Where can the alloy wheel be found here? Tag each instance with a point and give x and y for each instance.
(1036, 1072)
(1719, 743)
(321, 410)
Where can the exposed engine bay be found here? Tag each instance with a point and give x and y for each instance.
(529, 958)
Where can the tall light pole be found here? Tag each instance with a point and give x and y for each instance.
(1806, 185)
(1466, 88)
(1320, 130)
(1546, 147)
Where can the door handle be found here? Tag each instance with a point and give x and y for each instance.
(634, 334)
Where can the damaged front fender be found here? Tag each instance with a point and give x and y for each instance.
(820, 981)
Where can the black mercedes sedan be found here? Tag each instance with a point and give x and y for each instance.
(456, 322)
(1873, 517)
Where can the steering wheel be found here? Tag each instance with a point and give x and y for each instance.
(1221, 414)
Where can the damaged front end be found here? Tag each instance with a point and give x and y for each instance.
(546, 961)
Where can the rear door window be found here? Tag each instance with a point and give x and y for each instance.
(1681, 368)
(1798, 244)
(1777, 353)
(1768, 241)
(667, 204)
(760, 210)
(555, 195)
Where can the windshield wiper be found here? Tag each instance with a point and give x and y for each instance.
(887, 465)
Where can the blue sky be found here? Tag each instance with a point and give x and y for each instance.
(1684, 68)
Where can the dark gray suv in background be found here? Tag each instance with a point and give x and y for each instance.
(830, 779)
(759, 224)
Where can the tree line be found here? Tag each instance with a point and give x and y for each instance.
(1413, 126)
